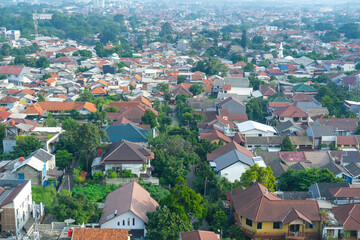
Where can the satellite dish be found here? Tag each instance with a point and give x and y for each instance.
(69, 221)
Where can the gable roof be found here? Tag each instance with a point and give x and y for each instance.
(304, 88)
(348, 215)
(250, 125)
(230, 158)
(290, 111)
(8, 195)
(349, 124)
(39, 107)
(345, 192)
(127, 132)
(259, 205)
(199, 235)
(215, 135)
(126, 152)
(229, 99)
(130, 197)
(11, 69)
(4, 115)
(228, 147)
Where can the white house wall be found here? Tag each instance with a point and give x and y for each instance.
(234, 171)
(118, 222)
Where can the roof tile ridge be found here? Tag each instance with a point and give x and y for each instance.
(114, 150)
(258, 209)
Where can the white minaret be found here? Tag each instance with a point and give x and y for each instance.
(281, 51)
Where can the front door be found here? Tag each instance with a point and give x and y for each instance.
(294, 228)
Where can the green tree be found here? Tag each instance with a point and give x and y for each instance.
(243, 39)
(70, 124)
(263, 175)
(181, 79)
(90, 137)
(25, 145)
(357, 67)
(211, 66)
(149, 118)
(50, 121)
(46, 76)
(75, 206)
(41, 98)
(302, 180)
(63, 158)
(287, 145)
(2, 134)
(86, 96)
(184, 201)
(235, 233)
(196, 89)
(166, 225)
(42, 63)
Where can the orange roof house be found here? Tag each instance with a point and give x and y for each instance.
(99, 91)
(56, 107)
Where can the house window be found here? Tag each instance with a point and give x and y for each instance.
(249, 222)
(259, 225)
(123, 222)
(281, 118)
(304, 118)
(277, 225)
(308, 225)
(17, 212)
(133, 221)
(118, 223)
(128, 221)
(260, 135)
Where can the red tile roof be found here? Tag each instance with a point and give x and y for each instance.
(214, 135)
(100, 234)
(346, 140)
(11, 69)
(199, 235)
(38, 108)
(290, 111)
(131, 197)
(4, 115)
(290, 157)
(348, 216)
(345, 192)
(8, 100)
(67, 50)
(259, 205)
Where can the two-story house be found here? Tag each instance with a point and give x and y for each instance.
(126, 208)
(261, 214)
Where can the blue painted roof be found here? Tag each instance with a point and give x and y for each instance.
(127, 132)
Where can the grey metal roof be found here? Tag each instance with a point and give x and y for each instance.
(41, 154)
(284, 126)
(237, 81)
(320, 131)
(353, 169)
(305, 106)
(230, 158)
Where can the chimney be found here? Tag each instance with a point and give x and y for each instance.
(266, 191)
(115, 212)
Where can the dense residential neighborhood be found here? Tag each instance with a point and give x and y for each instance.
(168, 120)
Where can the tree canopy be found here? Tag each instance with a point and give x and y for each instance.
(25, 145)
(263, 175)
(302, 180)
